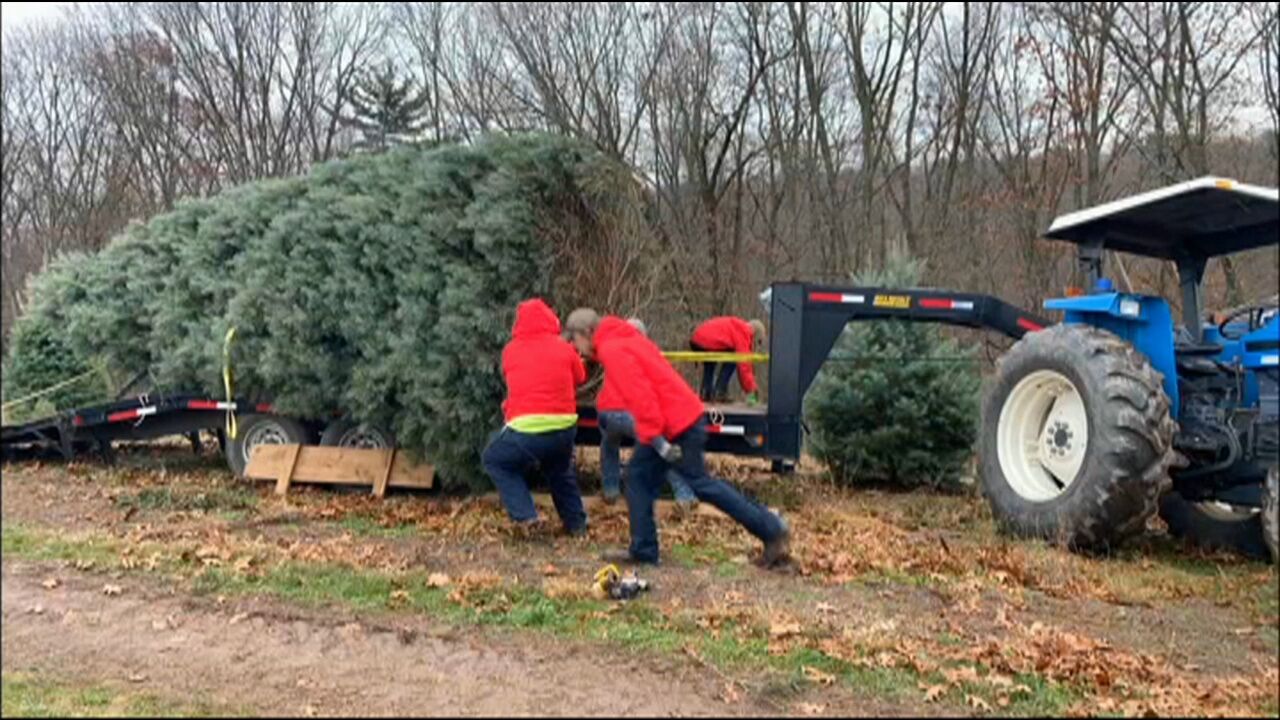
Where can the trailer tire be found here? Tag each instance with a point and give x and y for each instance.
(1112, 479)
(262, 429)
(1271, 512)
(349, 433)
(1214, 526)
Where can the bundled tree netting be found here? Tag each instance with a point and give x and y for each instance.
(380, 286)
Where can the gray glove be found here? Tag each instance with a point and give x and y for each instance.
(671, 453)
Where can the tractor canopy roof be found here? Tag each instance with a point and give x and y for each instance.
(1204, 218)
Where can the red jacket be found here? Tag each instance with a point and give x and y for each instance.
(610, 397)
(729, 334)
(659, 399)
(541, 369)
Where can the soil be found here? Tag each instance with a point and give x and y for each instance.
(268, 657)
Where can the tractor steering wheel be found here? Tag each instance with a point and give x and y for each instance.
(1256, 314)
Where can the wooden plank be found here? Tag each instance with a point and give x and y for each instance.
(286, 469)
(380, 485)
(339, 466)
(407, 473)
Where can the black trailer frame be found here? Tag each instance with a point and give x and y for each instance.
(806, 320)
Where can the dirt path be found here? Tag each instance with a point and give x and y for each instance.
(269, 660)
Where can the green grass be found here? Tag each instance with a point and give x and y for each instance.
(32, 696)
(364, 526)
(23, 542)
(171, 499)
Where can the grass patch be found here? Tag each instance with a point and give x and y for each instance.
(365, 526)
(32, 696)
(690, 556)
(170, 499)
(19, 541)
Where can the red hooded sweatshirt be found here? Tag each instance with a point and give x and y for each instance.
(661, 402)
(542, 372)
(729, 334)
(610, 397)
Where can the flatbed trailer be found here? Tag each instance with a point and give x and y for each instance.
(805, 322)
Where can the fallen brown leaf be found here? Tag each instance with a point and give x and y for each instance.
(111, 590)
(817, 676)
(51, 583)
(437, 580)
(977, 703)
(932, 693)
(811, 709)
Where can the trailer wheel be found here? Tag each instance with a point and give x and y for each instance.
(257, 430)
(1076, 439)
(1215, 526)
(1271, 512)
(349, 433)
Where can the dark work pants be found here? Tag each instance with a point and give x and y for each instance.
(714, 386)
(647, 473)
(512, 454)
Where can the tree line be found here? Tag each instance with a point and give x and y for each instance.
(774, 140)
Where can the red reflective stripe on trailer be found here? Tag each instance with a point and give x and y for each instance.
(77, 421)
(1029, 326)
(264, 407)
(202, 405)
(945, 304)
(122, 415)
(727, 429)
(845, 298)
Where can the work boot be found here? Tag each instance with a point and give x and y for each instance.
(527, 529)
(578, 532)
(778, 549)
(623, 557)
(686, 507)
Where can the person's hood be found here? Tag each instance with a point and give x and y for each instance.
(613, 328)
(533, 318)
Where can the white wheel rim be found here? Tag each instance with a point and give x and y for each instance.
(267, 432)
(1042, 436)
(360, 436)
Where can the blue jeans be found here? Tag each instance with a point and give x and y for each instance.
(646, 475)
(512, 454)
(616, 426)
(713, 385)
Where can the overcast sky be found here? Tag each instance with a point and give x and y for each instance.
(17, 13)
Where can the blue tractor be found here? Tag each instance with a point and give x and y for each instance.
(1094, 425)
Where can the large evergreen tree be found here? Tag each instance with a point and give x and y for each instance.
(383, 286)
(386, 109)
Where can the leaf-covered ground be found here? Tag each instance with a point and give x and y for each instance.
(896, 604)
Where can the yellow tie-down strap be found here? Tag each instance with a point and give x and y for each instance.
(716, 357)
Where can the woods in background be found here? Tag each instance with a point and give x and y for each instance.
(775, 140)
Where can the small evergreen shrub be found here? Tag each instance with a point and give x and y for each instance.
(886, 409)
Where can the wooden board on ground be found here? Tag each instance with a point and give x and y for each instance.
(379, 469)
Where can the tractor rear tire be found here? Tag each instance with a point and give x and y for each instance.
(1087, 439)
(261, 429)
(1213, 526)
(1271, 513)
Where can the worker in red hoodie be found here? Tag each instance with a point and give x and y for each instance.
(671, 432)
(542, 372)
(616, 425)
(728, 334)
